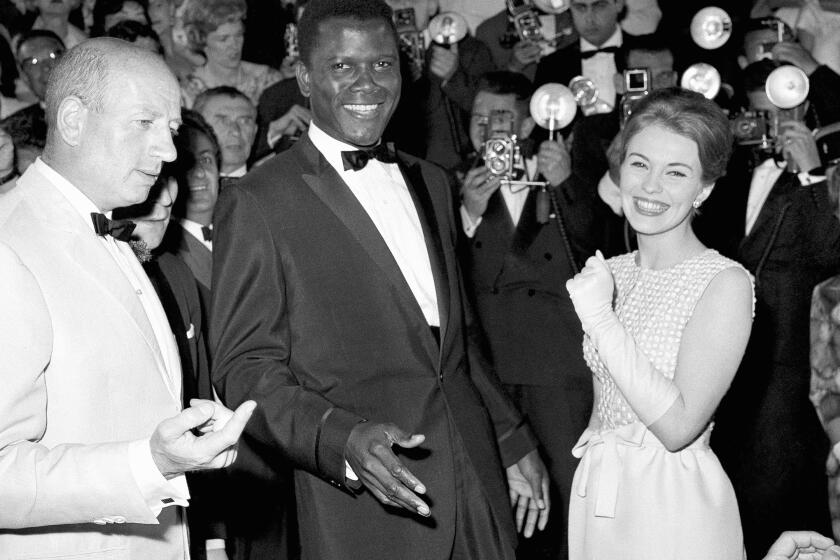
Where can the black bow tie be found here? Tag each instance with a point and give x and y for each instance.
(589, 54)
(207, 233)
(118, 229)
(357, 159)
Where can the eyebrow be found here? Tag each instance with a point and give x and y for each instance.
(681, 164)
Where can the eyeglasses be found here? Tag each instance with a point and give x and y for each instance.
(36, 61)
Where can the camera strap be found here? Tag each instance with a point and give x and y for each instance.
(561, 227)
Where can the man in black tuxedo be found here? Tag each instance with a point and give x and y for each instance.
(516, 268)
(337, 305)
(779, 224)
(597, 55)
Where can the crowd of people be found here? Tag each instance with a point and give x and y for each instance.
(321, 280)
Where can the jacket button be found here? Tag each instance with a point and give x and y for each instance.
(478, 244)
(547, 256)
(531, 292)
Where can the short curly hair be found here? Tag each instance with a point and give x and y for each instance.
(202, 17)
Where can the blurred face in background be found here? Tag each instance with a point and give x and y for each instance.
(36, 59)
(488, 104)
(660, 64)
(596, 20)
(202, 177)
(130, 11)
(234, 120)
(224, 45)
(152, 216)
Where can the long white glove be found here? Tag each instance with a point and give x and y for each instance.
(646, 390)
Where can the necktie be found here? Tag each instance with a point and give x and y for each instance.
(118, 229)
(207, 233)
(589, 54)
(358, 159)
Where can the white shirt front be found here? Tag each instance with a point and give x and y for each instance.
(513, 196)
(382, 192)
(601, 67)
(763, 178)
(154, 487)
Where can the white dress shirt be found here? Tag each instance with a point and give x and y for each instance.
(157, 490)
(601, 68)
(382, 192)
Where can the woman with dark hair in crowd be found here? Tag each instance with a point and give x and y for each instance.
(216, 28)
(665, 329)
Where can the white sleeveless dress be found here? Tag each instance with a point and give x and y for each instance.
(632, 499)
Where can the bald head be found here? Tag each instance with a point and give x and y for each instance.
(87, 70)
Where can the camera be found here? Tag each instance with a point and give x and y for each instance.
(753, 127)
(636, 87)
(410, 39)
(525, 20)
(501, 151)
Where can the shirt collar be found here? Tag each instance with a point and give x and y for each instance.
(329, 146)
(615, 40)
(78, 200)
(238, 172)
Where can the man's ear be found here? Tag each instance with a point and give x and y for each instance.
(71, 119)
(528, 124)
(302, 74)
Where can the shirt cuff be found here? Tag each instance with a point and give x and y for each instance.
(157, 491)
(349, 472)
(806, 178)
(214, 544)
(469, 225)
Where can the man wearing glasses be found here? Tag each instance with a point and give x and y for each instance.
(36, 52)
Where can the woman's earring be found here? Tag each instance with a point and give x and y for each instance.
(696, 204)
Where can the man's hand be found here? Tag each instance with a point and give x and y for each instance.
(7, 154)
(528, 485)
(798, 145)
(295, 120)
(803, 545)
(554, 162)
(796, 54)
(368, 451)
(479, 185)
(176, 449)
(444, 61)
(525, 53)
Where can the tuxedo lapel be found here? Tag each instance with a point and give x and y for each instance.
(198, 257)
(77, 243)
(337, 196)
(432, 237)
(528, 227)
(772, 210)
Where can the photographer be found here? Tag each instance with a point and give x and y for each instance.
(516, 268)
(771, 213)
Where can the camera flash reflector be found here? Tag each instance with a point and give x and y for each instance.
(711, 27)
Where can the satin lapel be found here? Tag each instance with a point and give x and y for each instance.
(497, 213)
(528, 227)
(201, 257)
(432, 236)
(336, 195)
(79, 244)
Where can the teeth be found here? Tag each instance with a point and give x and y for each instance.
(360, 108)
(651, 206)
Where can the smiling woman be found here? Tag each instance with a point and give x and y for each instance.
(666, 327)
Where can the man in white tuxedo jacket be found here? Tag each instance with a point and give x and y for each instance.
(93, 441)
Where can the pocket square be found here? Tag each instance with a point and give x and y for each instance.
(191, 331)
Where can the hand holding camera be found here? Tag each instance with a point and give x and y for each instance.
(798, 146)
(524, 54)
(554, 162)
(444, 61)
(479, 185)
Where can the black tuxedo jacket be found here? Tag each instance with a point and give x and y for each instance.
(312, 317)
(564, 64)
(518, 277)
(767, 433)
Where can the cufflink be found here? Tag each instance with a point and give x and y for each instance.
(168, 501)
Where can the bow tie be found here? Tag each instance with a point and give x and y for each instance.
(589, 54)
(358, 159)
(118, 229)
(207, 233)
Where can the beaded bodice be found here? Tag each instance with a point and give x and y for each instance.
(654, 306)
